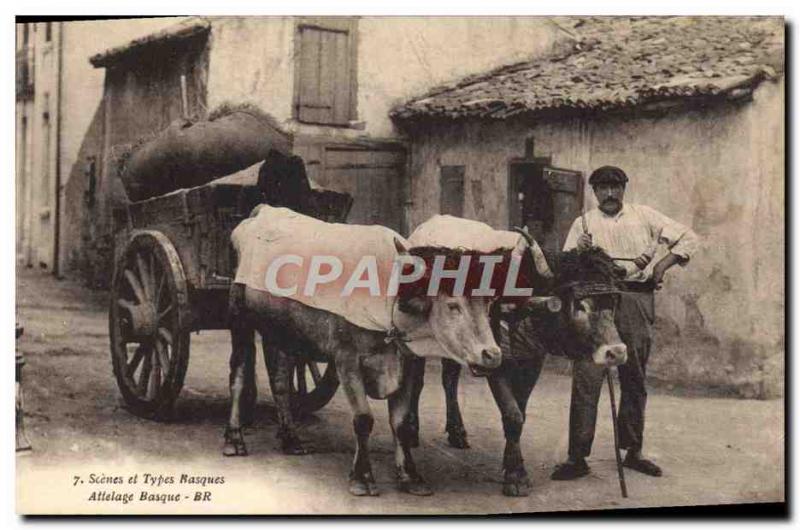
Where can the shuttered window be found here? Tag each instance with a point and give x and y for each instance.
(325, 91)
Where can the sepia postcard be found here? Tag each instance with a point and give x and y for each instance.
(365, 265)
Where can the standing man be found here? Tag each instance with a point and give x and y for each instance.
(633, 232)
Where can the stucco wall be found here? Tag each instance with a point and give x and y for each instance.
(720, 171)
(82, 127)
(403, 57)
(252, 59)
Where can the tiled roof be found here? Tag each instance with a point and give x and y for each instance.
(617, 62)
(184, 29)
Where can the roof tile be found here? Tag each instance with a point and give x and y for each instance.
(617, 62)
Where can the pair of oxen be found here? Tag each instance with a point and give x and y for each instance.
(505, 340)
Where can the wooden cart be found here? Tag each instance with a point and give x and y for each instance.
(172, 275)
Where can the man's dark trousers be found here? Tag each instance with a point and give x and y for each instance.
(634, 319)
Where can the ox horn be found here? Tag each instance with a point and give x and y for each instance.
(550, 303)
(527, 242)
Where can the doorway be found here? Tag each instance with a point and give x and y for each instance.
(545, 199)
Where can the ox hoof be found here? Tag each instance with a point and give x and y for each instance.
(457, 437)
(234, 443)
(234, 449)
(409, 481)
(293, 446)
(363, 486)
(517, 484)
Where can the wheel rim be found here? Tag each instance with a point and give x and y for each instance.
(147, 310)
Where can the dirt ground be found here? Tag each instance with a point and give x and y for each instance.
(712, 450)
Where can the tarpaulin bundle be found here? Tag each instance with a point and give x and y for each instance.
(271, 234)
(189, 154)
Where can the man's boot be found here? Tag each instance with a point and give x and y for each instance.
(571, 469)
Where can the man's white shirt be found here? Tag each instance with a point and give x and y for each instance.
(635, 230)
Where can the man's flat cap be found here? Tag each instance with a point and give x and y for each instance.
(608, 175)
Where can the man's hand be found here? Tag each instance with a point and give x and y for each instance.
(658, 274)
(663, 266)
(584, 242)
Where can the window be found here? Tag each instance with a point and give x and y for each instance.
(325, 78)
(451, 195)
(48, 31)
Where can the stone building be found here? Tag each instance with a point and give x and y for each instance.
(37, 123)
(330, 81)
(693, 110)
(57, 94)
(496, 119)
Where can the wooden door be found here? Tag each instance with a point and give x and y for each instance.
(545, 199)
(374, 179)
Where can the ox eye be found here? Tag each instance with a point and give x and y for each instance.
(454, 307)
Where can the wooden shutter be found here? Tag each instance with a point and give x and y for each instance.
(566, 188)
(324, 88)
(451, 194)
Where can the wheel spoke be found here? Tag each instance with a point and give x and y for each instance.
(144, 377)
(135, 285)
(164, 312)
(164, 332)
(163, 357)
(144, 274)
(135, 360)
(153, 382)
(125, 304)
(315, 375)
(160, 288)
(302, 389)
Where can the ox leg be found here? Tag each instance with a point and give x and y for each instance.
(242, 346)
(282, 394)
(456, 433)
(362, 482)
(524, 379)
(414, 370)
(406, 433)
(515, 478)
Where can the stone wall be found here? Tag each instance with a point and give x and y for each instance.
(719, 170)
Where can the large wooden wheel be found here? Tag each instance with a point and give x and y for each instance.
(148, 324)
(313, 383)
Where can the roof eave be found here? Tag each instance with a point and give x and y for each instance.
(739, 94)
(185, 29)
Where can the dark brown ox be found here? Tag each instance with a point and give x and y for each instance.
(579, 323)
(368, 363)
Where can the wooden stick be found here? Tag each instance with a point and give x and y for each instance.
(622, 486)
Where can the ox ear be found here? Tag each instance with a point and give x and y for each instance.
(401, 247)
